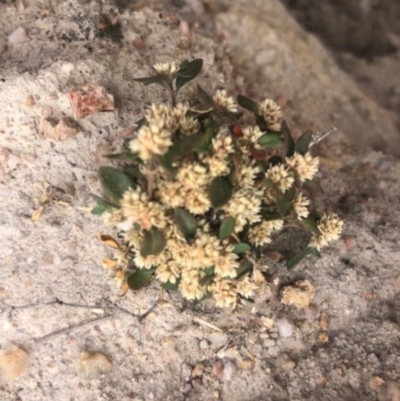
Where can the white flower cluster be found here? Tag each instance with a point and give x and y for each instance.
(207, 264)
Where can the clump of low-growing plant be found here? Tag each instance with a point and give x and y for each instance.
(197, 194)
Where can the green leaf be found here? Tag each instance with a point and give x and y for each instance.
(209, 271)
(186, 223)
(114, 183)
(98, 210)
(188, 71)
(206, 143)
(184, 147)
(241, 248)
(303, 143)
(287, 135)
(313, 187)
(102, 202)
(270, 216)
(140, 278)
(315, 252)
(153, 243)
(284, 206)
(245, 266)
(133, 171)
(290, 194)
(162, 80)
(226, 228)
(248, 104)
(309, 224)
(168, 286)
(220, 191)
(269, 140)
(206, 97)
(123, 156)
(297, 258)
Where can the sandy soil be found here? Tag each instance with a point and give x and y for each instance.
(55, 299)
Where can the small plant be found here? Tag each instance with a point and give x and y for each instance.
(198, 195)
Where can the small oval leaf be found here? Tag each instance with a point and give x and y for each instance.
(303, 143)
(241, 248)
(186, 222)
(220, 191)
(297, 258)
(187, 72)
(269, 140)
(114, 183)
(287, 135)
(226, 228)
(247, 104)
(140, 278)
(153, 243)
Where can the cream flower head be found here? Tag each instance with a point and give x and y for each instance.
(228, 102)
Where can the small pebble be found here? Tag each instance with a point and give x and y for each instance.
(311, 312)
(323, 337)
(18, 36)
(92, 364)
(13, 363)
(269, 342)
(229, 369)
(203, 344)
(273, 351)
(375, 383)
(218, 339)
(285, 328)
(197, 382)
(299, 294)
(324, 321)
(29, 101)
(198, 370)
(138, 43)
(218, 368)
(90, 99)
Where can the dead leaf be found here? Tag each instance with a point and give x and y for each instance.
(37, 213)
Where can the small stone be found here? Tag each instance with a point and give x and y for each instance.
(375, 383)
(285, 328)
(299, 294)
(46, 111)
(66, 128)
(90, 99)
(18, 36)
(100, 158)
(217, 368)
(269, 342)
(323, 337)
(349, 242)
(48, 127)
(197, 382)
(198, 370)
(203, 344)
(184, 39)
(311, 312)
(29, 101)
(285, 362)
(138, 43)
(13, 363)
(368, 295)
(218, 339)
(268, 323)
(324, 321)
(392, 392)
(92, 364)
(59, 130)
(229, 369)
(273, 351)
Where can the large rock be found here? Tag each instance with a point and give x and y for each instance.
(276, 54)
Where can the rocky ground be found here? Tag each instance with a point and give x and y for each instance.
(65, 332)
